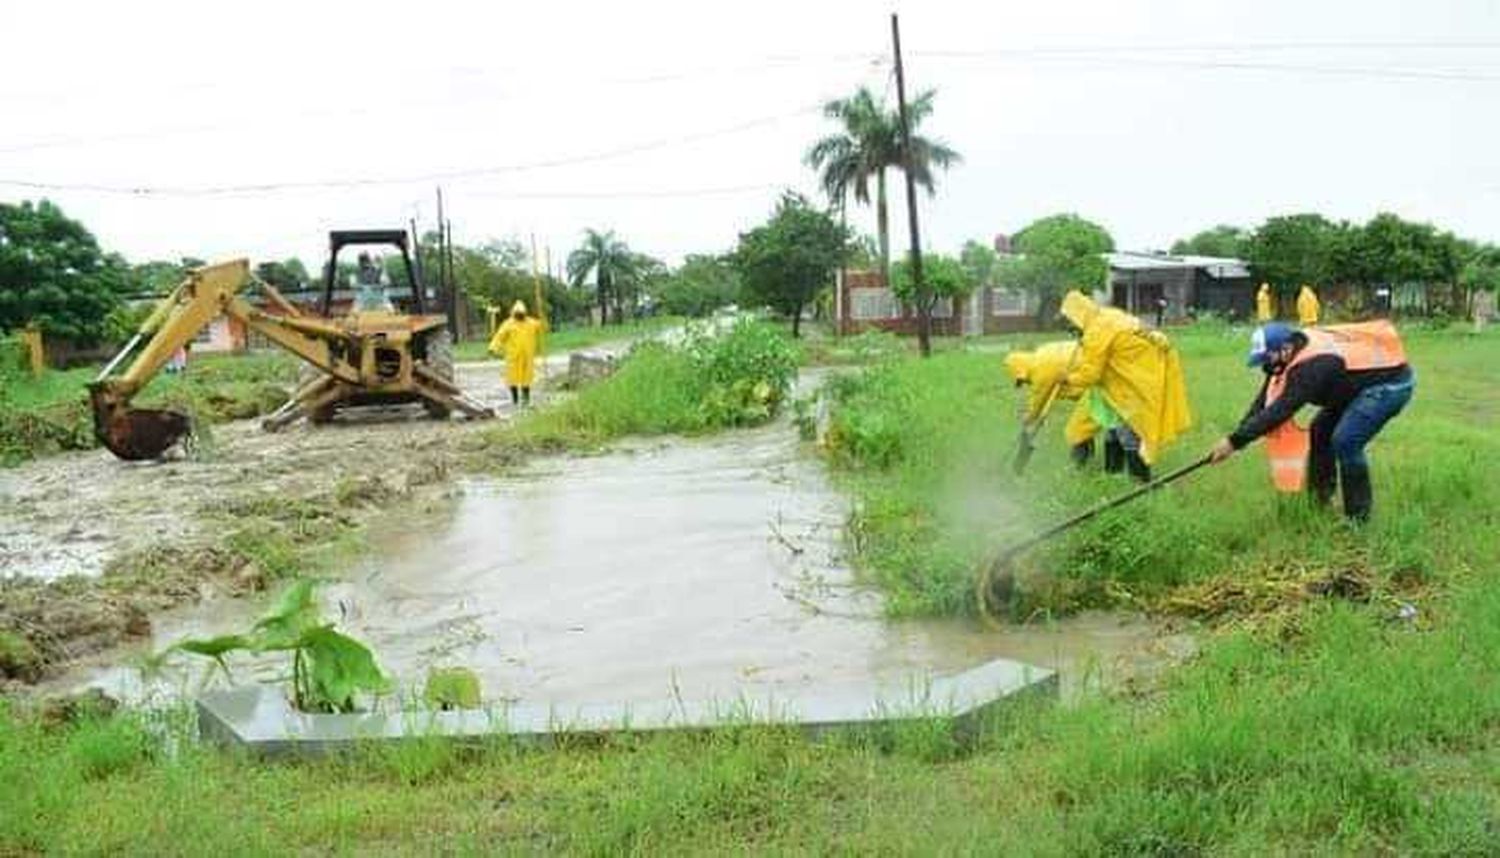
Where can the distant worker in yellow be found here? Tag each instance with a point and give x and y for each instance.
(1307, 307)
(1133, 384)
(1045, 370)
(1265, 309)
(518, 340)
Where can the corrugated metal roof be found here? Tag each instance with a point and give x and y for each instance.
(1214, 266)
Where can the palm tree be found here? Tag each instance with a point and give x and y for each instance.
(869, 144)
(609, 259)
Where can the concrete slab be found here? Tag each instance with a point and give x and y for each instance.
(260, 719)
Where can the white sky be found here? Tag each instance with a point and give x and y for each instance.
(1155, 118)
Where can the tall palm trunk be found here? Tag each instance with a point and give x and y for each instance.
(603, 285)
(883, 226)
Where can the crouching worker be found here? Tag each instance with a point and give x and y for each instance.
(1357, 374)
(1131, 380)
(1045, 371)
(518, 340)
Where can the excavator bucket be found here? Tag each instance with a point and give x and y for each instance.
(135, 434)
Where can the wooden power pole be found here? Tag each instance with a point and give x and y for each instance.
(924, 301)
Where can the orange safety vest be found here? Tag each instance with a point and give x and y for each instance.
(1368, 345)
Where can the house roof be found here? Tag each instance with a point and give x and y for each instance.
(1220, 267)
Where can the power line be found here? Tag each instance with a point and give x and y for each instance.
(1236, 65)
(626, 195)
(1218, 47)
(425, 178)
(769, 63)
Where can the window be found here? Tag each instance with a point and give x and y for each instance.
(873, 303)
(1006, 302)
(205, 336)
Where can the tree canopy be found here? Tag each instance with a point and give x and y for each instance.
(1223, 240)
(869, 143)
(700, 285)
(1057, 253)
(945, 277)
(611, 264)
(54, 273)
(785, 261)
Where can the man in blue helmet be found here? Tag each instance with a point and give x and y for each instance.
(1357, 374)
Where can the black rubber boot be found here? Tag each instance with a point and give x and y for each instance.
(1082, 453)
(515, 396)
(1114, 456)
(1138, 467)
(525, 396)
(1358, 496)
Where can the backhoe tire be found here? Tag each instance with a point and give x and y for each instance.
(440, 362)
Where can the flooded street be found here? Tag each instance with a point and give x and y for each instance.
(701, 568)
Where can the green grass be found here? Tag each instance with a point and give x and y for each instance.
(1342, 732)
(926, 447)
(580, 336)
(50, 414)
(738, 378)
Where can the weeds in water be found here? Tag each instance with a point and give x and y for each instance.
(329, 669)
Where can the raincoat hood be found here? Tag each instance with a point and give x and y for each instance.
(518, 308)
(1079, 308)
(1020, 365)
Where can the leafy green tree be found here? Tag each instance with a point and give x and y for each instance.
(787, 260)
(644, 280)
(699, 286)
(53, 272)
(155, 278)
(868, 144)
(944, 276)
(980, 262)
(1055, 254)
(1223, 240)
(608, 260)
(1295, 249)
(288, 275)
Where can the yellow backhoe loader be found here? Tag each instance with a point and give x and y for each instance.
(376, 355)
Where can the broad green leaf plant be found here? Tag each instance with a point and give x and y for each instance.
(329, 669)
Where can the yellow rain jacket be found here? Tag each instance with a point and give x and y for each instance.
(1307, 307)
(518, 341)
(1137, 371)
(1043, 369)
(1264, 311)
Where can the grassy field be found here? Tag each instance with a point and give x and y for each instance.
(580, 337)
(1312, 721)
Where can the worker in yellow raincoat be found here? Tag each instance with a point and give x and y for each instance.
(1045, 370)
(518, 340)
(1133, 380)
(1265, 309)
(1307, 307)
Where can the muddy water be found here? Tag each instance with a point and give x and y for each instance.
(702, 568)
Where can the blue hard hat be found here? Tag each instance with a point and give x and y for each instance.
(1266, 339)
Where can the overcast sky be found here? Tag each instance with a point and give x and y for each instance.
(674, 124)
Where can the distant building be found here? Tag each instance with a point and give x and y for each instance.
(1191, 285)
(863, 302)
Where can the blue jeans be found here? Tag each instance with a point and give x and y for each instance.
(1366, 415)
(1129, 441)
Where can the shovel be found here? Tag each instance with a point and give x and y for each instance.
(996, 586)
(1027, 443)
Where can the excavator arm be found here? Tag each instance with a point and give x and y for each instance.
(135, 433)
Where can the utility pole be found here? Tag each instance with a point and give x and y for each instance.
(924, 302)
